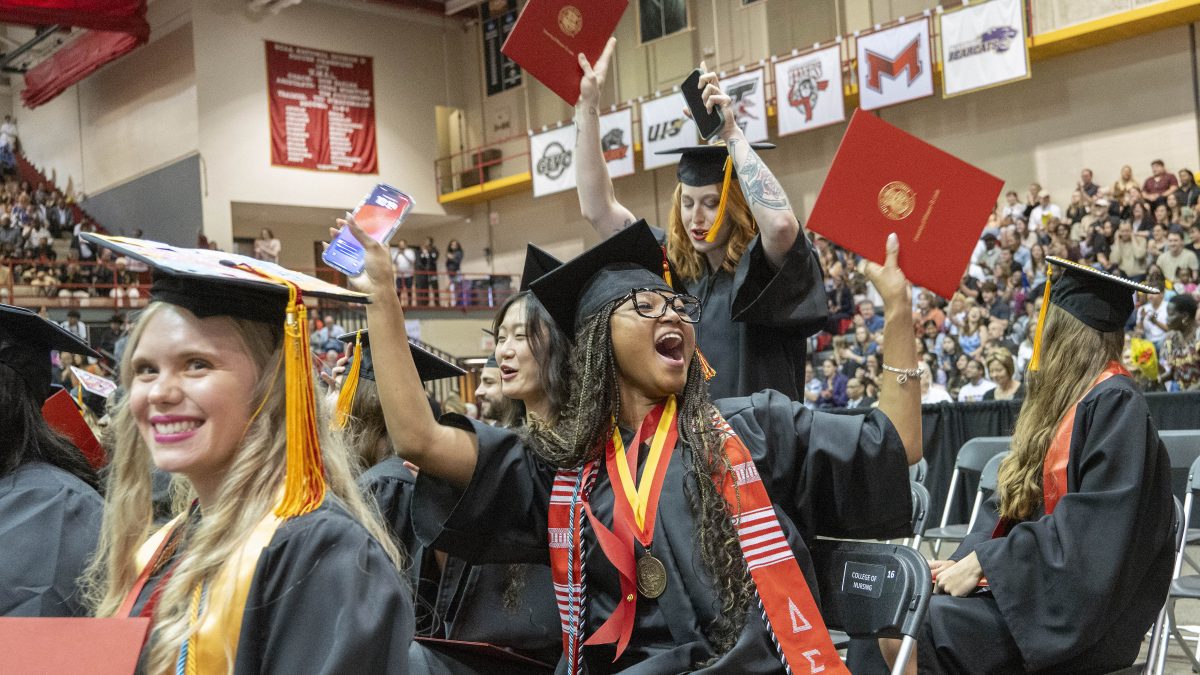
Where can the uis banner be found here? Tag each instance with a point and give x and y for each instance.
(747, 92)
(983, 46)
(322, 108)
(616, 141)
(664, 126)
(552, 155)
(809, 90)
(894, 65)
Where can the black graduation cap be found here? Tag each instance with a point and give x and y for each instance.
(537, 262)
(429, 365)
(630, 259)
(26, 341)
(701, 165)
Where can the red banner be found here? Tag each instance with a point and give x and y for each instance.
(322, 109)
(123, 16)
(73, 62)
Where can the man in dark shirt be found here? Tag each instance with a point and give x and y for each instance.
(1188, 193)
(1086, 186)
(1158, 186)
(996, 306)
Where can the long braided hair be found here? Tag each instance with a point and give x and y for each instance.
(585, 426)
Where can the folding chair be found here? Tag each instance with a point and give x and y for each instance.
(920, 515)
(975, 456)
(871, 590)
(1183, 447)
(1182, 587)
(918, 471)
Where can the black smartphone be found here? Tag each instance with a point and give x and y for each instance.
(708, 123)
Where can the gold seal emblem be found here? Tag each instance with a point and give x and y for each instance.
(570, 20)
(896, 200)
(651, 576)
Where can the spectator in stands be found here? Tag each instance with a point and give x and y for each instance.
(1152, 318)
(1012, 207)
(1129, 252)
(454, 257)
(812, 387)
(1087, 186)
(1039, 217)
(1179, 358)
(267, 247)
(841, 302)
(997, 337)
(108, 340)
(326, 336)
(873, 322)
(1077, 209)
(976, 384)
(427, 268)
(1185, 281)
(1144, 218)
(856, 395)
(971, 331)
(73, 282)
(987, 251)
(1122, 185)
(931, 392)
(855, 355)
(992, 303)
(1001, 369)
(60, 217)
(1159, 185)
(404, 260)
(75, 325)
(8, 133)
(1176, 256)
(1188, 193)
(833, 386)
(931, 339)
(926, 311)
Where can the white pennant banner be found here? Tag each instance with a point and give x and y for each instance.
(894, 65)
(808, 91)
(983, 46)
(749, 101)
(616, 140)
(664, 126)
(552, 156)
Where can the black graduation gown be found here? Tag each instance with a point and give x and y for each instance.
(49, 526)
(325, 598)
(837, 475)
(1074, 591)
(464, 601)
(755, 322)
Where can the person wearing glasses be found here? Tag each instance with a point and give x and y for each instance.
(733, 239)
(671, 524)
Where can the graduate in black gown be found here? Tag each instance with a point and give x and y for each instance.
(734, 241)
(489, 494)
(278, 565)
(50, 511)
(1080, 563)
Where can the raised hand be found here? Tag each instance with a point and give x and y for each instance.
(889, 279)
(594, 76)
(378, 276)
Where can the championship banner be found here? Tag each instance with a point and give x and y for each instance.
(552, 154)
(894, 65)
(808, 91)
(983, 46)
(616, 141)
(664, 126)
(322, 107)
(749, 100)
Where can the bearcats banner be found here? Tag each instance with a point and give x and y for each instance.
(749, 97)
(552, 154)
(664, 126)
(894, 65)
(808, 90)
(616, 140)
(322, 107)
(983, 46)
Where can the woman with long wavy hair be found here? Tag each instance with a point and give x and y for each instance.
(733, 239)
(727, 493)
(274, 563)
(1077, 569)
(49, 508)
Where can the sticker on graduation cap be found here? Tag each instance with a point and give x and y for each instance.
(100, 386)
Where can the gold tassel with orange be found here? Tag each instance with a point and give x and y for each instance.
(345, 399)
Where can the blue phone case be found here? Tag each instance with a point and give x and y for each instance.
(345, 254)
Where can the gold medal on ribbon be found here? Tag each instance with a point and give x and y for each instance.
(651, 576)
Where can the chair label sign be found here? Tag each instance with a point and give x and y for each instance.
(863, 579)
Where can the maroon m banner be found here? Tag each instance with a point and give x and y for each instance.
(909, 59)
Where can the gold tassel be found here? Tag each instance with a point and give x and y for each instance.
(666, 267)
(719, 219)
(345, 399)
(708, 371)
(1036, 359)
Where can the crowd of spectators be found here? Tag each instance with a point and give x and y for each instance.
(976, 345)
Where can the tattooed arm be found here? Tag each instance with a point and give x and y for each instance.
(769, 204)
(597, 201)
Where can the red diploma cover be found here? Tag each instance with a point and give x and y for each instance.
(64, 416)
(884, 180)
(94, 646)
(550, 34)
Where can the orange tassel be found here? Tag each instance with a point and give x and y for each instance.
(345, 399)
(666, 267)
(719, 219)
(708, 371)
(1036, 359)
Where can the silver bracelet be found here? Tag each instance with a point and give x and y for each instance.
(903, 375)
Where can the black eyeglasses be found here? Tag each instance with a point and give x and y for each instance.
(652, 303)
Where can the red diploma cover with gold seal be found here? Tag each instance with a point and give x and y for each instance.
(550, 34)
(884, 180)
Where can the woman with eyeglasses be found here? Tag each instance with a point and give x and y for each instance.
(672, 524)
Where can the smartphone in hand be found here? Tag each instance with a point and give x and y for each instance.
(708, 123)
(379, 215)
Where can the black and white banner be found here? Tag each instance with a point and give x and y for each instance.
(616, 141)
(983, 46)
(749, 101)
(552, 157)
(664, 126)
(808, 90)
(894, 65)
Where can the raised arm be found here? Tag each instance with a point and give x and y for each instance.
(777, 224)
(442, 451)
(900, 402)
(597, 201)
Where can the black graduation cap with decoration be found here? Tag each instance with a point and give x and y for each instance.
(537, 263)
(430, 366)
(701, 165)
(1100, 300)
(26, 341)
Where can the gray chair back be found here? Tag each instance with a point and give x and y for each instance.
(975, 453)
(918, 471)
(989, 479)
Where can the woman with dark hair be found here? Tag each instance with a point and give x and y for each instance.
(454, 258)
(733, 239)
(1075, 572)
(1180, 353)
(727, 492)
(50, 511)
